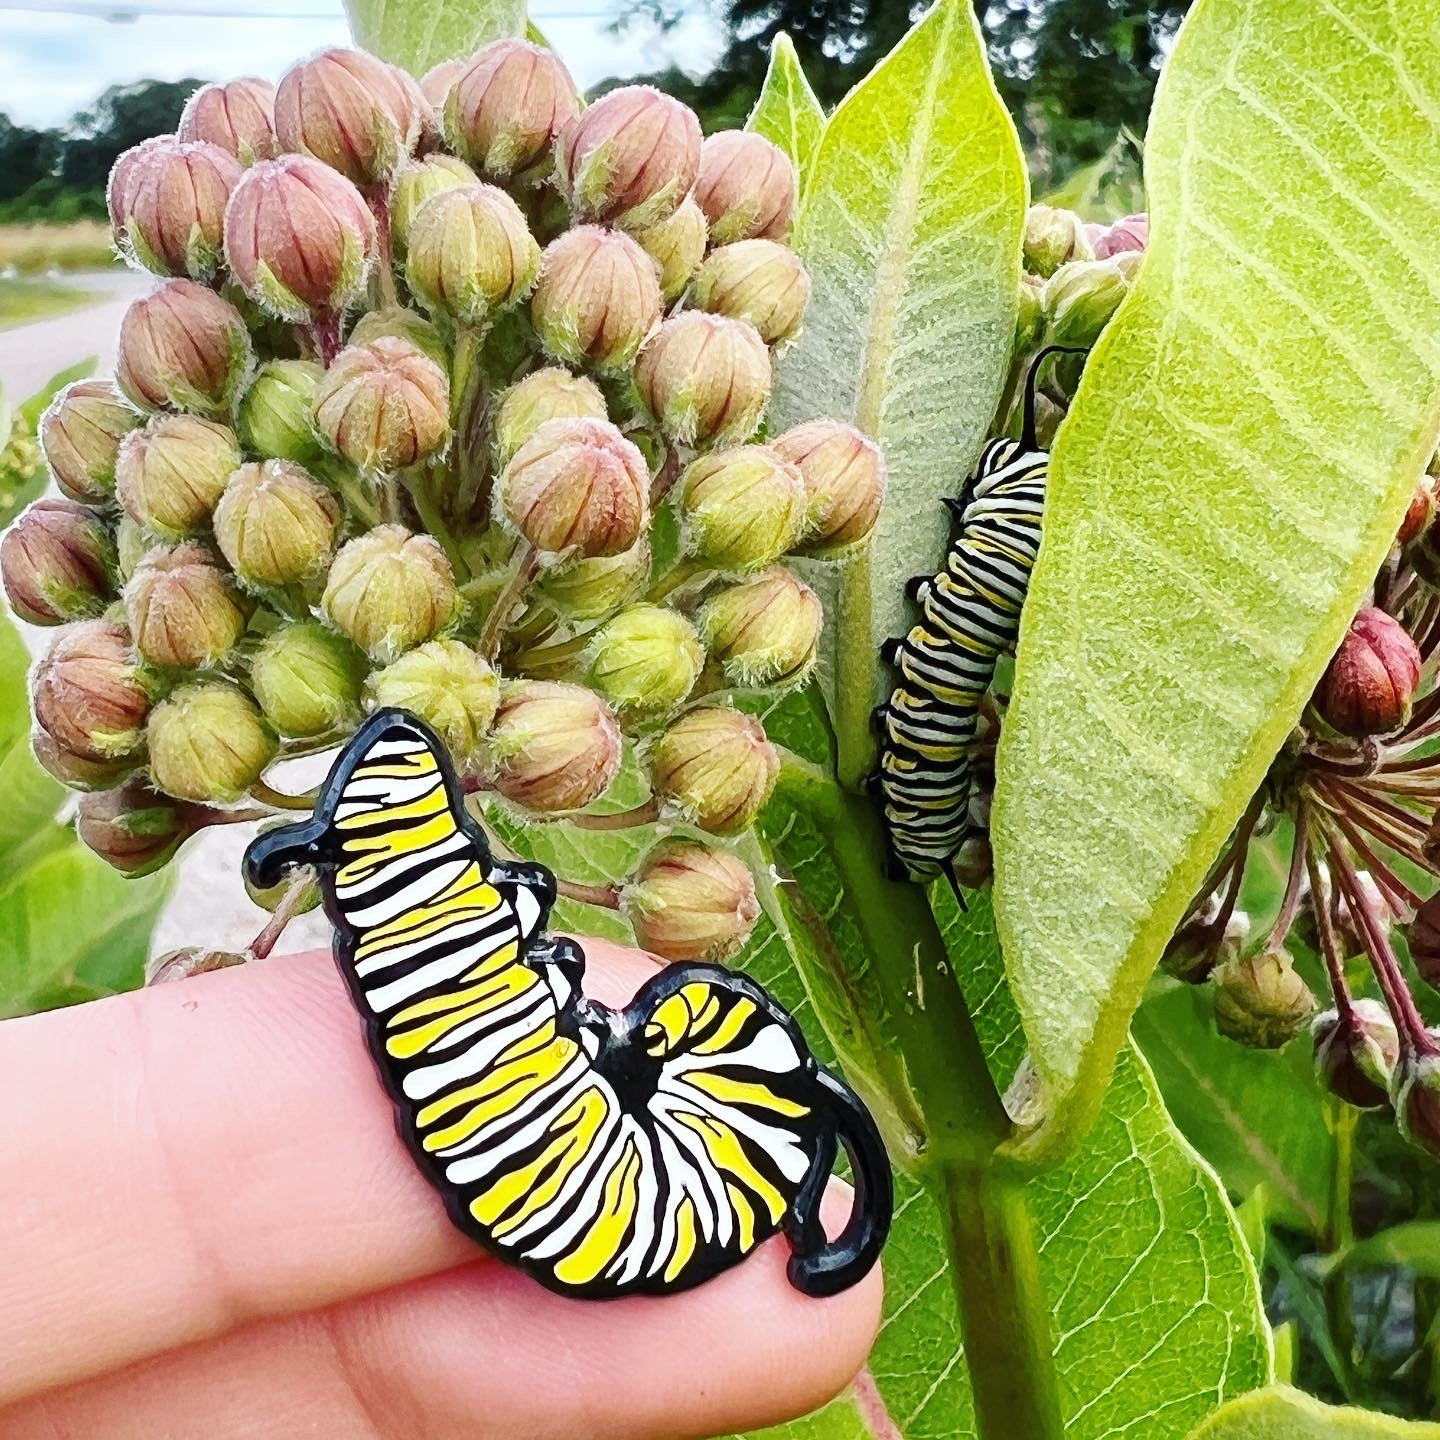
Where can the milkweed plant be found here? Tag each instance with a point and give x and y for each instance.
(607, 448)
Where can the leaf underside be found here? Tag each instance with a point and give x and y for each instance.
(787, 112)
(1280, 1413)
(415, 37)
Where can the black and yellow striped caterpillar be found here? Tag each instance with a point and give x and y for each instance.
(607, 1152)
(969, 614)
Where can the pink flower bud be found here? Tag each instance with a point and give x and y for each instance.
(692, 902)
(183, 348)
(505, 107)
(183, 609)
(761, 281)
(80, 434)
(136, 829)
(705, 378)
(1372, 677)
(87, 693)
(1419, 516)
(746, 187)
(77, 771)
(578, 485)
(58, 563)
(1356, 1053)
(1416, 1096)
(546, 394)
(598, 298)
(175, 209)
(630, 159)
(238, 116)
(299, 238)
(125, 173)
(384, 406)
(717, 768)
(171, 474)
(1126, 236)
(435, 83)
(844, 475)
(554, 747)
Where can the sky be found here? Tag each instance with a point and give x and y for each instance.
(54, 62)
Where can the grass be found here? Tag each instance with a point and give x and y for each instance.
(22, 300)
(34, 249)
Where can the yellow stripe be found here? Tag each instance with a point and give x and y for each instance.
(581, 1123)
(730, 1091)
(603, 1240)
(724, 1034)
(684, 1246)
(725, 1149)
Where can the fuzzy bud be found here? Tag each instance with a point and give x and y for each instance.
(1356, 1053)
(691, 902)
(677, 246)
(299, 238)
(395, 322)
(505, 108)
(132, 544)
(238, 116)
(136, 829)
(543, 395)
(1029, 314)
(765, 630)
(351, 111)
(1424, 935)
(389, 590)
(1261, 1001)
(578, 484)
(87, 694)
(717, 768)
(597, 300)
(190, 960)
(1416, 525)
(125, 176)
(1053, 238)
(182, 608)
(1415, 1094)
(1080, 297)
(435, 83)
(275, 525)
(384, 406)
(183, 348)
(591, 589)
(80, 434)
(746, 187)
(170, 474)
(630, 159)
(844, 475)
(1128, 235)
(744, 507)
(1371, 679)
(1200, 944)
(78, 771)
(307, 680)
(58, 563)
(647, 659)
(705, 379)
(471, 253)
(761, 281)
(208, 742)
(274, 415)
(175, 209)
(450, 687)
(416, 183)
(553, 747)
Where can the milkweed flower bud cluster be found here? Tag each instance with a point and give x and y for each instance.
(448, 395)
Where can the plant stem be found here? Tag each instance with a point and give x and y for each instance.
(605, 896)
(279, 800)
(854, 687)
(419, 482)
(527, 567)
(1339, 1311)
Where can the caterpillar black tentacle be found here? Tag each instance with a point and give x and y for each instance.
(607, 1152)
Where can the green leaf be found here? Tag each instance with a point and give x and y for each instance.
(1245, 441)
(416, 37)
(911, 231)
(787, 110)
(1414, 1244)
(7, 419)
(1280, 1413)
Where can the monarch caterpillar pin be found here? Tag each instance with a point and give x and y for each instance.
(605, 1151)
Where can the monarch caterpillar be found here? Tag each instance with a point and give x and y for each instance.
(969, 614)
(607, 1152)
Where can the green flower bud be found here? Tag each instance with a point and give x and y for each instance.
(189, 960)
(1356, 1053)
(77, 771)
(208, 742)
(578, 485)
(1415, 1094)
(744, 507)
(132, 544)
(598, 299)
(238, 117)
(80, 434)
(175, 209)
(505, 107)
(553, 747)
(183, 348)
(171, 474)
(307, 681)
(765, 630)
(395, 322)
(384, 406)
(450, 687)
(761, 281)
(1080, 297)
(1029, 314)
(417, 181)
(1369, 685)
(87, 694)
(1053, 238)
(844, 475)
(389, 590)
(691, 902)
(630, 159)
(717, 767)
(135, 829)
(705, 379)
(591, 589)
(275, 524)
(677, 246)
(548, 394)
(471, 254)
(274, 415)
(646, 659)
(1260, 1000)
(746, 188)
(58, 563)
(182, 608)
